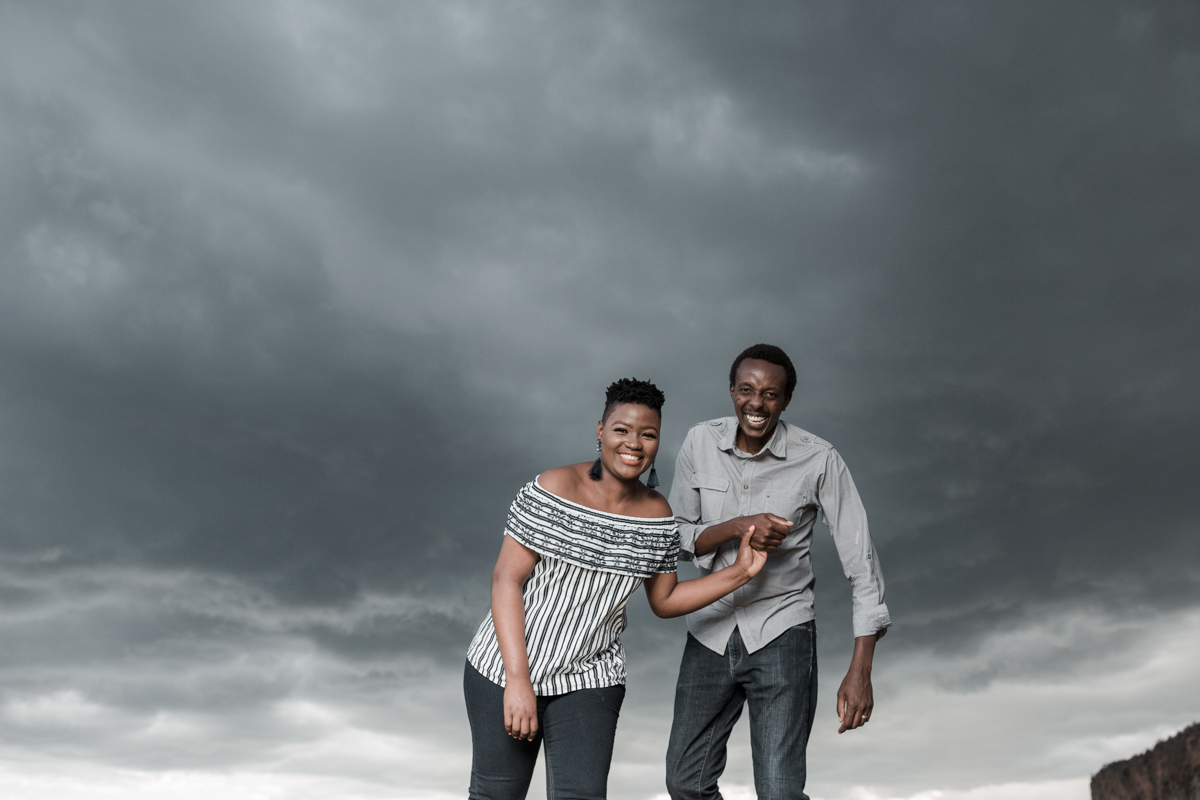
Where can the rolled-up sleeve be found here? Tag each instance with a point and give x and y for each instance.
(847, 521)
(685, 504)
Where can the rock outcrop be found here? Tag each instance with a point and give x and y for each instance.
(1169, 771)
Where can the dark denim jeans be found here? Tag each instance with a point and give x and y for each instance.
(778, 681)
(577, 729)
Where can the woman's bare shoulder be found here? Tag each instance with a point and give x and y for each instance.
(563, 481)
(654, 505)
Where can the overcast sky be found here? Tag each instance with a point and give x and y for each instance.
(296, 295)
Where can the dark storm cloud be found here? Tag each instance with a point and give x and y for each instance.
(181, 390)
(1028, 355)
(296, 296)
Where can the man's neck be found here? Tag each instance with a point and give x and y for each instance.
(750, 445)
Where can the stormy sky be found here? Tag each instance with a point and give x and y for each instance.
(294, 296)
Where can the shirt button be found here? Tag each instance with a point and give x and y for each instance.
(739, 608)
(807, 438)
(745, 486)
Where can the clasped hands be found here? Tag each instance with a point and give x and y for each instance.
(768, 530)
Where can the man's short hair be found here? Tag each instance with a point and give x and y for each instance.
(772, 355)
(631, 390)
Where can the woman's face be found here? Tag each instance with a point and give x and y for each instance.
(628, 440)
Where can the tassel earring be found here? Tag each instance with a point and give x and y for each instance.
(652, 481)
(594, 472)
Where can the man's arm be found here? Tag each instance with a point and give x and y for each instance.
(769, 531)
(685, 503)
(698, 542)
(855, 699)
(847, 522)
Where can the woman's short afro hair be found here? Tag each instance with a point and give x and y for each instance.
(772, 355)
(631, 390)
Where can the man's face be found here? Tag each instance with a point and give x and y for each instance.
(758, 396)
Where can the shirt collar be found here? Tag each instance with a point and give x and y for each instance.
(777, 444)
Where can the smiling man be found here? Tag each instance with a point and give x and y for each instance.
(757, 645)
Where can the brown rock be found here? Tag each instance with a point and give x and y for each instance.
(1169, 771)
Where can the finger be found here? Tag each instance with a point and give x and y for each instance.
(533, 728)
(765, 545)
(847, 718)
(508, 723)
(860, 718)
(525, 728)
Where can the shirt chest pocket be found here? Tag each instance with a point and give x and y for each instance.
(786, 503)
(714, 498)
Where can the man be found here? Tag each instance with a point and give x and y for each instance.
(758, 644)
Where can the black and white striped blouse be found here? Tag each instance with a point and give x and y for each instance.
(591, 562)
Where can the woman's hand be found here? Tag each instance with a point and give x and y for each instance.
(748, 559)
(520, 711)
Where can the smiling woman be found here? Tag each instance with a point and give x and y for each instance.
(547, 664)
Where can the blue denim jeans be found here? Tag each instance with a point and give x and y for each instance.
(779, 682)
(577, 729)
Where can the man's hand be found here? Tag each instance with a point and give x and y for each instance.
(855, 700)
(769, 530)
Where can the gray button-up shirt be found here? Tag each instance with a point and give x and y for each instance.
(795, 476)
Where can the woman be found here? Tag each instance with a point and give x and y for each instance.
(547, 664)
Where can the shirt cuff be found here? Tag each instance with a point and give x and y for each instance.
(686, 552)
(872, 620)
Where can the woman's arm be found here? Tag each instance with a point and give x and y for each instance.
(669, 598)
(513, 568)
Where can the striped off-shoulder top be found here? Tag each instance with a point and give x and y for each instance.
(591, 562)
